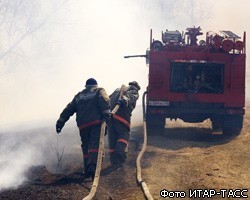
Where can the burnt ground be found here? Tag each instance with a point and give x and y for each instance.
(188, 156)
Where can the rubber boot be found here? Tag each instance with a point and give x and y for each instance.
(85, 164)
(120, 151)
(91, 171)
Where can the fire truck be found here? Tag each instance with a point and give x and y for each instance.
(195, 80)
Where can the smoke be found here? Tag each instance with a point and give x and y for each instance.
(79, 40)
(19, 150)
(17, 154)
(12, 172)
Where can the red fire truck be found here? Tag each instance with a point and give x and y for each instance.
(195, 80)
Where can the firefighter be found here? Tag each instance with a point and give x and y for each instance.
(92, 107)
(119, 125)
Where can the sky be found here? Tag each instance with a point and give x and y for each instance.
(65, 42)
(83, 39)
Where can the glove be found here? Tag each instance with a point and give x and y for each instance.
(58, 129)
(59, 126)
(106, 117)
(122, 102)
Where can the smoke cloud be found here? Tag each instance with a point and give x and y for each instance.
(77, 40)
(17, 154)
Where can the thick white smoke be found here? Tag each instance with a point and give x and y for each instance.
(13, 164)
(17, 154)
(19, 150)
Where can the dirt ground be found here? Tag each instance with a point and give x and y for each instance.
(191, 158)
(188, 157)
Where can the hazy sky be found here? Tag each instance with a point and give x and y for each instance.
(84, 39)
(71, 41)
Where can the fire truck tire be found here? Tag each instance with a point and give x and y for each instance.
(216, 124)
(232, 125)
(156, 125)
(155, 129)
(231, 132)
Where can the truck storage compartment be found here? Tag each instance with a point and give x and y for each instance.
(196, 77)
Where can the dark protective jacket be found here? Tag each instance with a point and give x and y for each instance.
(123, 115)
(89, 105)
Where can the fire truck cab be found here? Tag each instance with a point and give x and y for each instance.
(194, 80)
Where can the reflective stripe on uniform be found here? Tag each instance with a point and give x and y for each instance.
(90, 124)
(123, 141)
(124, 121)
(85, 155)
(111, 150)
(93, 150)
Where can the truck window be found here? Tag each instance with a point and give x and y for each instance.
(189, 77)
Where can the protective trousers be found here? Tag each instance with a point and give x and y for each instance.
(90, 145)
(118, 135)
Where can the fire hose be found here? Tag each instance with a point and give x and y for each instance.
(101, 151)
(138, 160)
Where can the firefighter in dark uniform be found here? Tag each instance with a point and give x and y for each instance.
(92, 107)
(119, 125)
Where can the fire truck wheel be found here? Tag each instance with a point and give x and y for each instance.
(232, 125)
(216, 124)
(155, 124)
(231, 132)
(155, 129)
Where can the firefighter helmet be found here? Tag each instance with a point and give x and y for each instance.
(134, 83)
(91, 82)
